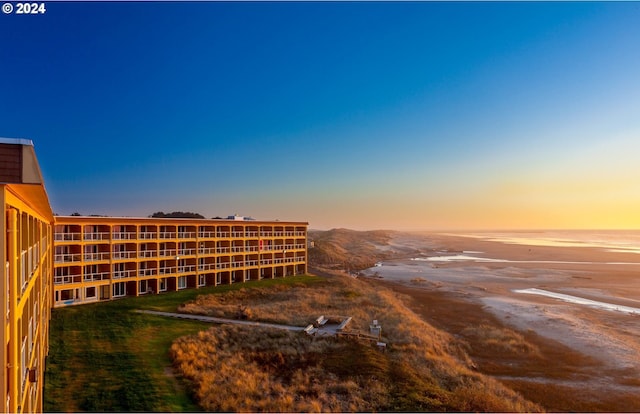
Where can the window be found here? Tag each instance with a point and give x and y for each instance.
(163, 284)
(182, 282)
(119, 289)
(142, 286)
(201, 280)
(90, 292)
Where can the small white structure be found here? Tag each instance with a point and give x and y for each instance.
(375, 328)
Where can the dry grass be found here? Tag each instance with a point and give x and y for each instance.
(241, 369)
(500, 338)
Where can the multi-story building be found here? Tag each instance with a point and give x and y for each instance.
(27, 228)
(54, 261)
(102, 258)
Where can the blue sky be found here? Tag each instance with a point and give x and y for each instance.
(417, 115)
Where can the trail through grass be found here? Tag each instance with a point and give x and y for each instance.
(105, 358)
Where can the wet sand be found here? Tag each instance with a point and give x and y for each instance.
(589, 357)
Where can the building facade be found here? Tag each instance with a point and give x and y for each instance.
(55, 261)
(103, 258)
(27, 246)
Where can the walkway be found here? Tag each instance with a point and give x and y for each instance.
(212, 319)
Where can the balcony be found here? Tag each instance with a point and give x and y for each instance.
(186, 252)
(124, 236)
(167, 253)
(186, 269)
(96, 236)
(206, 266)
(167, 270)
(92, 257)
(207, 234)
(67, 257)
(67, 236)
(148, 272)
(148, 235)
(206, 250)
(94, 277)
(63, 280)
(223, 234)
(123, 255)
(167, 234)
(121, 274)
(187, 235)
(148, 253)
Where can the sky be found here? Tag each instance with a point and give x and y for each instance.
(363, 115)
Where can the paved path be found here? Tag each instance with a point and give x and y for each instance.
(222, 320)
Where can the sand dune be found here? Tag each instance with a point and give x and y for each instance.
(581, 297)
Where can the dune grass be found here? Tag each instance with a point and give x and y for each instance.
(254, 370)
(105, 358)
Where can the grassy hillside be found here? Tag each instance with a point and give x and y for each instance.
(105, 357)
(254, 370)
(349, 249)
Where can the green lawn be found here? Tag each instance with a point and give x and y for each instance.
(103, 357)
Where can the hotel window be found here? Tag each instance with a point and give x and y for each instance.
(163, 284)
(201, 280)
(90, 292)
(143, 286)
(119, 289)
(182, 282)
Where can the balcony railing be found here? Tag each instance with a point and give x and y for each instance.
(167, 270)
(266, 234)
(121, 274)
(221, 250)
(123, 255)
(206, 266)
(251, 248)
(124, 235)
(186, 269)
(148, 272)
(67, 257)
(93, 277)
(237, 234)
(96, 236)
(167, 235)
(61, 280)
(187, 235)
(224, 265)
(207, 250)
(207, 234)
(148, 235)
(167, 253)
(237, 249)
(91, 257)
(67, 236)
(186, 252)
(251, 234)
(223, 234)
(148, 253)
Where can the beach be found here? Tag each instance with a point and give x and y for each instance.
(577, 302)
